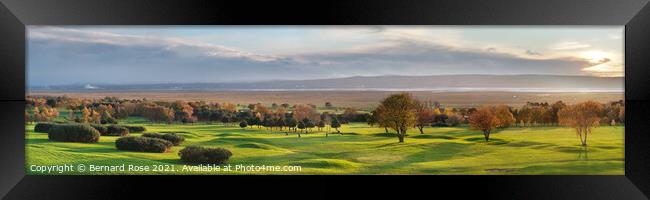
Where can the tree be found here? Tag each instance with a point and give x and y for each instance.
(484, 119)
(328, 105)
(321, 125)
(85, 115)
(95, 117)
(372, 120)
(106, 118)
(243, 124)
(309, 124)
(284, 105)
(350, 114)
(302, 112)
(51, 102)
(555, 108)
(504, 116)
(425, 116)
(336, 125)
(229, 107)
(524, 115)
(292, 123)
(583, 117)
(376, 116)
(398, 113)
(301, 126)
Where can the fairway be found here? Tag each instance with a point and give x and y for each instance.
(361, 149)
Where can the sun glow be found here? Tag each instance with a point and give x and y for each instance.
(596, 56)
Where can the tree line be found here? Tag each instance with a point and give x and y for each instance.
(401, 112)
(398, 112)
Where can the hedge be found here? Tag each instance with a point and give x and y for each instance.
(115, 130)
(73, 133)
(203, 155)
(136, 129)
(143, 144)
(43, 127)
(171, 137)
(101, 128)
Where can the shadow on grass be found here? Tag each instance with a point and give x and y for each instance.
(254, 146)
(423, 136)
(38, 141)
(525, 144)
(236, 140)
(95, 150)
(492, 141)
(173, 132)
(384, 134)
(574, 149)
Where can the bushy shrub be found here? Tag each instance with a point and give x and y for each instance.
(43, 127)
(143, 144)
(136, 129)
(101, 128)
(203, 155)
(73, 133)
(115, 130)
(171, 137)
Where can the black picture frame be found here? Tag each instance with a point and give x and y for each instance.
(633, 14)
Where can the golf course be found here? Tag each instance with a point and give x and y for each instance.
(359, 149)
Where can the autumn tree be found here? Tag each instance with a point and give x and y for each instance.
(484, 119)
(583, 117)
(229, 107)
(555, 108)
(398, 113)
(302, 112)
(95, 117)
(504, 116)
(85, 115)
(425, 116)
(263, 110)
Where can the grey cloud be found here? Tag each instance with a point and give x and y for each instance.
(533, 53)
(418, 58)
(53, 59)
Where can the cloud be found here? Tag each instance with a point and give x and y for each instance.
(417, 58)
(533, 53)
(570, 46)
(178, 45)
(69, 56)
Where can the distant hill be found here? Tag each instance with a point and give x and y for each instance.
(436, 82)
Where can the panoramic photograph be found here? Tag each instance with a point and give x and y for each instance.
(333, 100)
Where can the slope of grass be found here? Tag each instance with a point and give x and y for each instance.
(359, 150)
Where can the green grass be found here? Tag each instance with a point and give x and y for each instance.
(360, 150)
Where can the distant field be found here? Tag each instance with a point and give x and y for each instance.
(362, 150)
(359, 99)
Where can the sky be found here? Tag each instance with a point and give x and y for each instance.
(61, 55)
